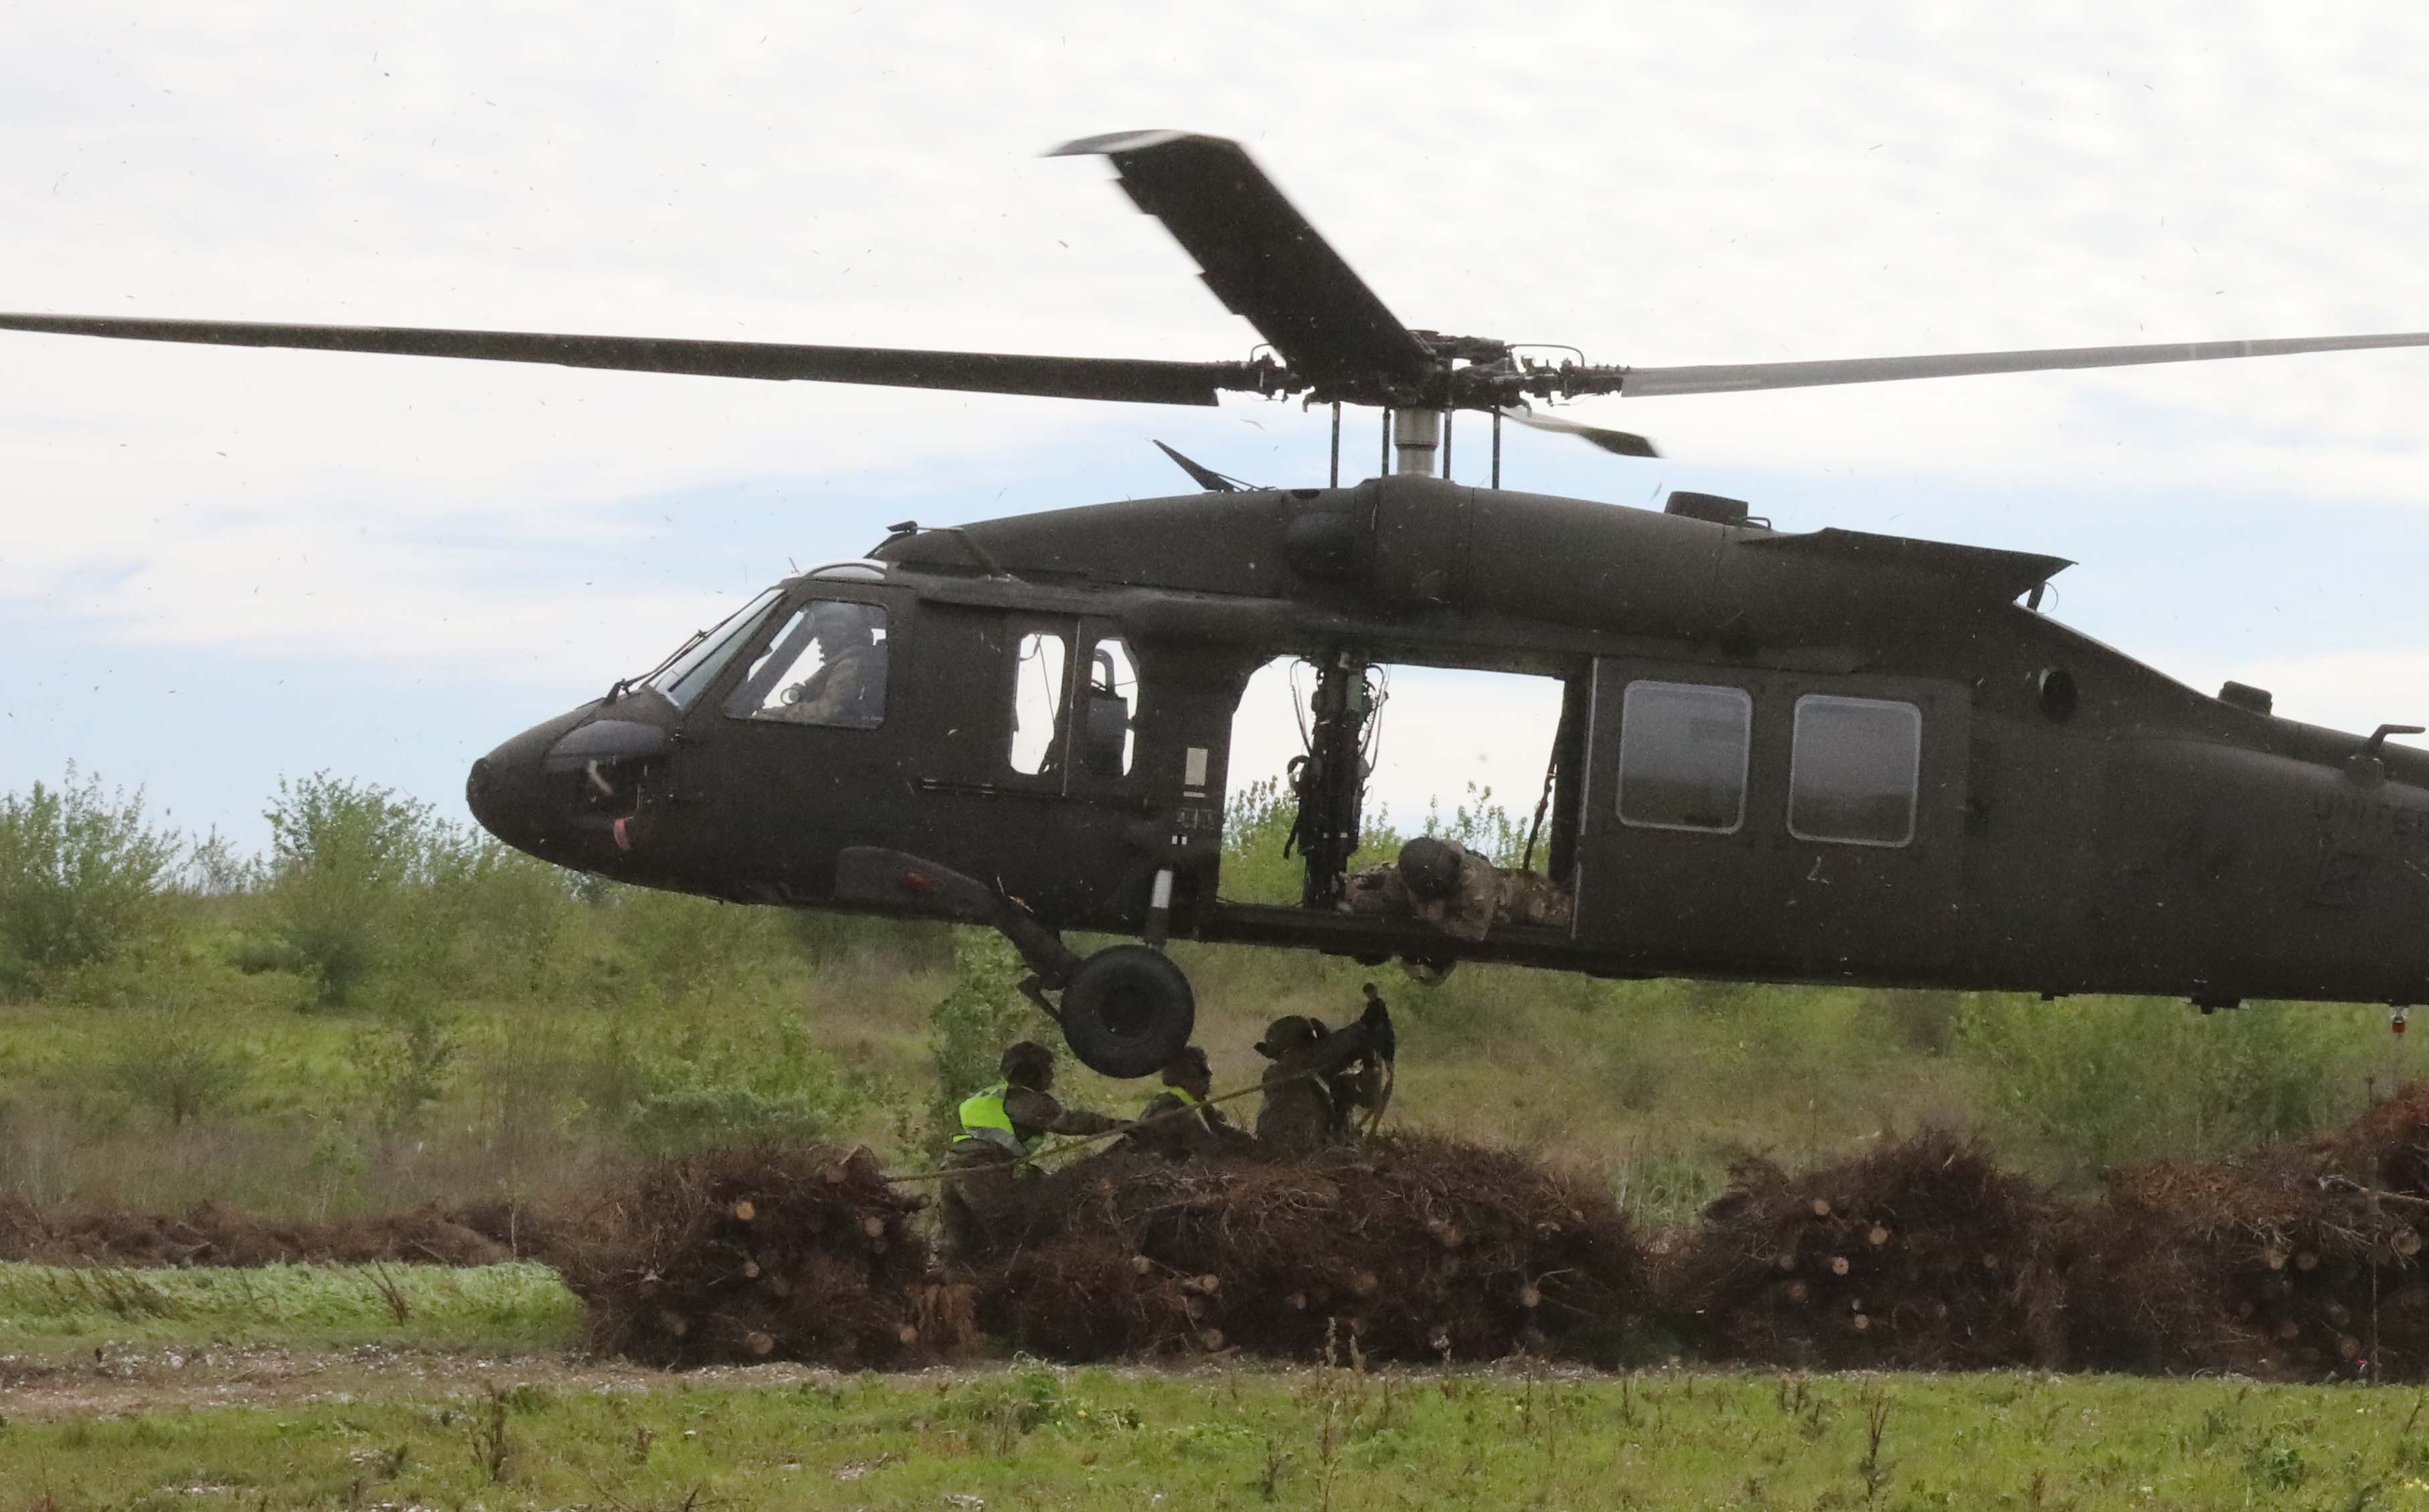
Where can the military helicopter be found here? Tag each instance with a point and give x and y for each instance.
(1820, 757)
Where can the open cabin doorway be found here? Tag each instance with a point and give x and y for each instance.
(1450, 751)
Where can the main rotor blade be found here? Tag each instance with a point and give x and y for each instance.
(990, 372)
(1618, 443)
(1731, 377)
(1267, 263)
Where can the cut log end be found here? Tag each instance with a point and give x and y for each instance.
(1861, 1323)
(1840, 1265)
(1821, 1206)
(1211, 1339)
(1530, 1296)
(1141, 1265)
(745, 1210)
(760, 1344)
(906, 1335)
(1366, 1284)
(873, 1226)
(1876, 1237)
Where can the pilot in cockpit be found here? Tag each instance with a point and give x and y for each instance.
(848, 688)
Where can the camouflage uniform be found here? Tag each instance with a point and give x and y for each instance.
(1319, 1078)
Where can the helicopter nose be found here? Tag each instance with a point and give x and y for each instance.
(507, 793)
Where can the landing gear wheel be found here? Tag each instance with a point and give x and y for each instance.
(1127, 1011)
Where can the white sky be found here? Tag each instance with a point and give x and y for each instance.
(224, 565)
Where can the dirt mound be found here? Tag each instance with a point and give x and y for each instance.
(213, 1233)
(2294, 1261)
(800, 1253)
(1921, 1254)
(1410, 1247)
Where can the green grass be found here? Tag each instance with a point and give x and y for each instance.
(46, 1308)
(1214, 1440)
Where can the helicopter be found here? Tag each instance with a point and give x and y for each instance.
(1824, 757)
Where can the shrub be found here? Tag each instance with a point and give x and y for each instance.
(706, 1118)
(341, 855)
(983, 1014)
(82, 878)
(178, 1062)
(405, 1064)
(2089, 1082)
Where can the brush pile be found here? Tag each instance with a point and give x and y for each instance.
(1921, 1254)
(737, 1256)
(1409, 1248)
(213, 1233)
(2293, 1261)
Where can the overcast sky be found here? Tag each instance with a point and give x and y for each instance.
(223, 566)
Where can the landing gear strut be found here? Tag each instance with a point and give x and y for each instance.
(1124, 1011)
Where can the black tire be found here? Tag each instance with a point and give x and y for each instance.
(1128, 1010)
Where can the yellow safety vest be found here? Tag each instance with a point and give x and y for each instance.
(984, 1121)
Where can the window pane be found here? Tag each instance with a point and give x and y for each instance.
(1853, 777)
(826, 666)
(696, 667)
(1037, 703)
(1113, 710)
(1682, 756)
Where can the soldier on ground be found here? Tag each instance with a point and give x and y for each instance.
(1178, 1124)
(1321, 1078)
(1000, 1128)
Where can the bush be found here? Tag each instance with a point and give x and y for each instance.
(179, 1063)
(404, 1064)
(82, 878)
(983, 1014)
(692, 1119)
(341, 856)
(2089, 1082)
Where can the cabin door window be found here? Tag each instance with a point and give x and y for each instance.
(1682, 756)
(1853, 777)
(1037, 682)
(1109, 718)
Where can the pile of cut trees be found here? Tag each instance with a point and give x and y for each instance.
(1920, 1254)
(2299, 1259)
(1408, 1247)
(796, 1254)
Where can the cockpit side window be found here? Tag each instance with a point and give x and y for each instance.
(826, 664)
(694, 667)
(1038, 702)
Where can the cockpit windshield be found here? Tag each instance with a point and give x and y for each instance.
(682, 677)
